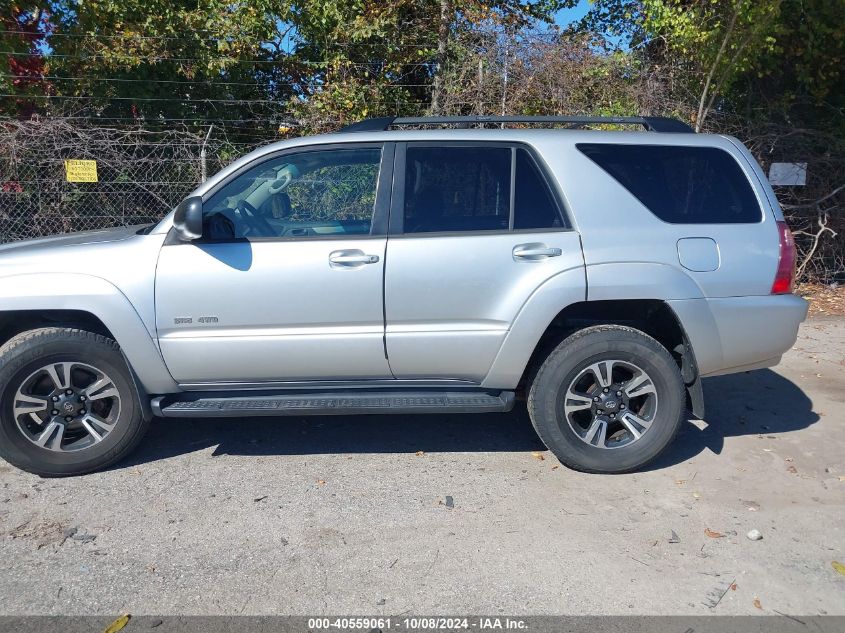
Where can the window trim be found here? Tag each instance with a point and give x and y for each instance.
(397, 203)
(761, 202)
(381, 208)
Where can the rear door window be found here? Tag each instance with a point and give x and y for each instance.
(453, 188)
(534, 205)
(680, 185)
(457, 189)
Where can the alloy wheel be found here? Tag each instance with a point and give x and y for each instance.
(66, 406)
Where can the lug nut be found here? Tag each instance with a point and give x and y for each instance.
(55, 398)
(54, 412)
(618, 393)
(82, 412)
(69, 392)
(621, 406)
(596, 399)
(606, 390)
(82, 398)
(612, 416)
(68, 419)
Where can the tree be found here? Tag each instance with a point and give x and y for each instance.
(25, 29)
(708, 45)
(718, 40)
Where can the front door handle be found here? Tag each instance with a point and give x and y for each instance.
(351, 259)
(534, 252)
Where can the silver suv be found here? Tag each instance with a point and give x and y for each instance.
(598, 275)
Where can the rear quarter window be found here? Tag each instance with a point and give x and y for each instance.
(680, 185)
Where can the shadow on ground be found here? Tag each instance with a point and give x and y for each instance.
(760, 402)
(752, 403)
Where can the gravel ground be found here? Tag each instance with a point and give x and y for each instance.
(452, 514)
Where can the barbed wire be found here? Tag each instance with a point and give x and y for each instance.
(225, 60)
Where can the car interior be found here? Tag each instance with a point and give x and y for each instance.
(309, 194)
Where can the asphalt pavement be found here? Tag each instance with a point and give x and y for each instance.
(453, 514)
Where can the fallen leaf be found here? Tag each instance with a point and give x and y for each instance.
(713, 534)
(680, 481)
(321, 482)
(757, 604)
(792, 470)
(839, 567)
(419, 453)
(537, 455)
(118, 624)
(733, 586)
(556, 467)
(695, 495)
(788, 459)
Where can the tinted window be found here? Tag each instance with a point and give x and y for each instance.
(534, 207)
(308, 194)
(681, 185)
(457, 189)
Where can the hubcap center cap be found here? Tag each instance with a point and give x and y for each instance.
(68, 405)
(610, 402)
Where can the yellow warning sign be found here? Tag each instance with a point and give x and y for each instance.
(81, 170)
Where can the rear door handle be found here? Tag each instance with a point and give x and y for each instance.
(350, 259)
(535, 251)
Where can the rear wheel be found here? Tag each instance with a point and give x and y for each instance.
(608, 399)
(68, 404)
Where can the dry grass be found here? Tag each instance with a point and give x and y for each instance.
(825, 300)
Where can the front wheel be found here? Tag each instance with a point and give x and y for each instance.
(68, 404)
(608, 399)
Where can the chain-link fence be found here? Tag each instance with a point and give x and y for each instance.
(142, 173)
(145, 170)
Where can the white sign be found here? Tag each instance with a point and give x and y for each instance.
(788, 174)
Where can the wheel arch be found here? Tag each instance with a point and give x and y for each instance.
(83, 301)
(654, 317)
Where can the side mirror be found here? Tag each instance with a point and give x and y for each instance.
(187, 220)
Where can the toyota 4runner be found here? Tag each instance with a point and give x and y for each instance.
(599, 275)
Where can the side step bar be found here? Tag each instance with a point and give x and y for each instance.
(211, 405)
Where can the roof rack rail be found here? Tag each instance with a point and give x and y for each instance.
(650, 123)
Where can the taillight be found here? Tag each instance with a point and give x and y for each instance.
(785, 276)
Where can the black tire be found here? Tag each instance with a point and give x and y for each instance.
(564, 364)
(34, 349)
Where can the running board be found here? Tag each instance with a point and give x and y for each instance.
(335, 403)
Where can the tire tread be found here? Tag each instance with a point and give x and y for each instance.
(563, 349)
(23, 348)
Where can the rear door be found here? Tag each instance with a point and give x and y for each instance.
(474, 230)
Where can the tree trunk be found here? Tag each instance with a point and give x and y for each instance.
(702, 110)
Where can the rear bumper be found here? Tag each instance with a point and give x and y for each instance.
(734, 334)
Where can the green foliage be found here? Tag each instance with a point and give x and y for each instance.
(324, 61)
(779, 56)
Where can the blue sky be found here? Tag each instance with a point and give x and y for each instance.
(568, 16)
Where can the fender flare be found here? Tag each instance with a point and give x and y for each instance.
(608, 282)
(532, 320)
(96, 296)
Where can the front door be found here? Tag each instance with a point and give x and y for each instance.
(474, 230)
(286, 283)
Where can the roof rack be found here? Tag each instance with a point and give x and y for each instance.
(650, 123)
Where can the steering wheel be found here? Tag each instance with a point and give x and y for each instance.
(250, 216)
